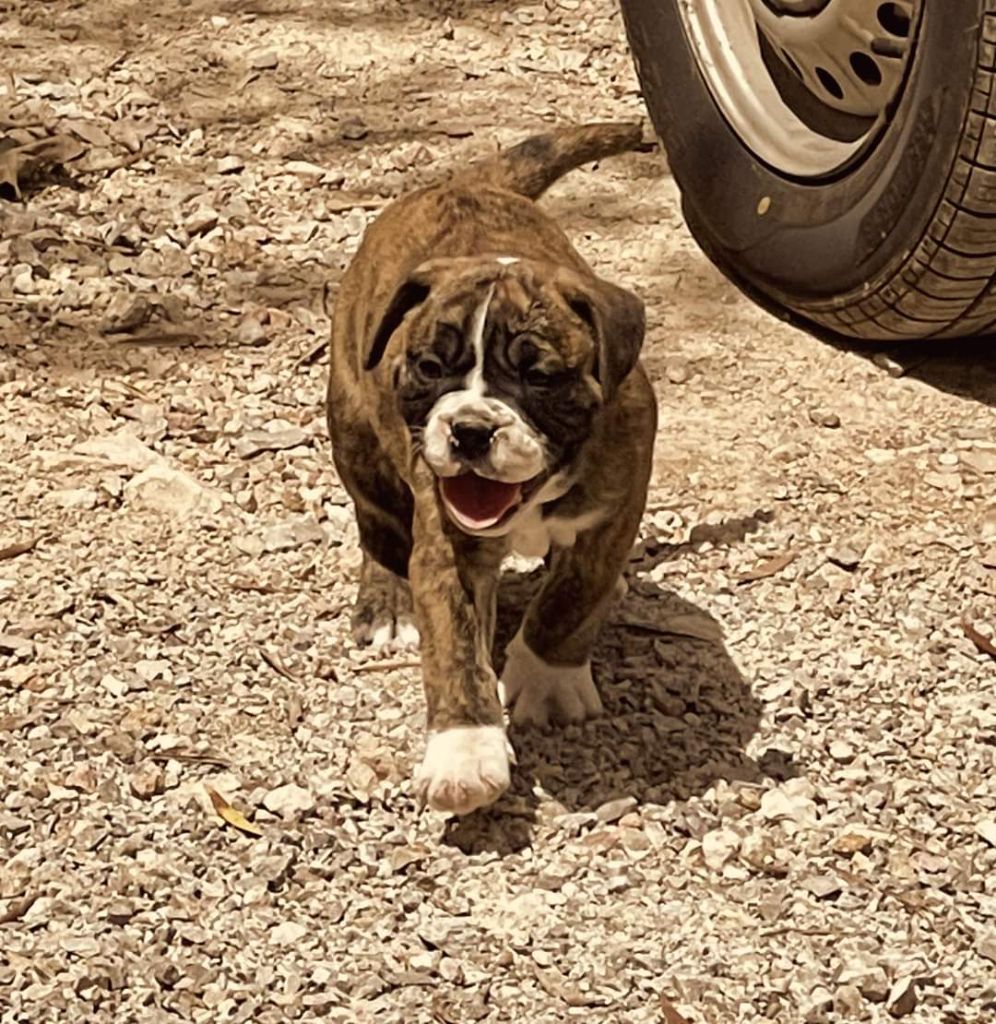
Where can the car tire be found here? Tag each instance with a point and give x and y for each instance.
(899, 243)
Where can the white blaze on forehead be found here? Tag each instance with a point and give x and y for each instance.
(517, 451)
(474, 381)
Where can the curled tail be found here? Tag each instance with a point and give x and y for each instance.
(532, 166)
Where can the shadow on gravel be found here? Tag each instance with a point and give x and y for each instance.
(678, 717)
(348, 15)
(965, 367)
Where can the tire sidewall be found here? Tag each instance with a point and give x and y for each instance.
(816, 244)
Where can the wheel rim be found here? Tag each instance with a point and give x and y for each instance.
(808, 85)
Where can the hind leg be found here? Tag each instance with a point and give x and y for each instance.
(382, 616)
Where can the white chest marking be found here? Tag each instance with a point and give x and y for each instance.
(533, 535)
(507, 261)
(474, 381)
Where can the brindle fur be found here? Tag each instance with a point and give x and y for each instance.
(453, 576)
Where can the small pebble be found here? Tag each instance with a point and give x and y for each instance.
(842, 752)
(290, 933)
(880, 456)
(612, 810)
(845, 556)
(891, 366)
(146, 781)
(289, 801)
(677, 370)
(230, 165)
(824, 418)
(264, 60)
(981, 461)
(902, 998)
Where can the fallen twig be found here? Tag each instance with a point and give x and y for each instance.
(340, 206)
(670, 1012)
(313, 353)
(387, 666)
(769, 567)
(19, 547)
(189, 758)
(277, 665)
(984, 644)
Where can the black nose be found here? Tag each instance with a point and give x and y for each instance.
(471, 440)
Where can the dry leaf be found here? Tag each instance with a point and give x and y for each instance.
(254, 586)
(457, 130)
(853, 841)
(402, 857)
(770, 567)
(670, 1012)
(90, 132)
(19, 163)
(989, 559)
(20, 547)
(17, 909)
(444, 1013)
(277, 665)
(10, 86)
(231, 815)
(984, 644)
(555, 984)
(345, 204)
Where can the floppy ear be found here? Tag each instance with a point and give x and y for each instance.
(412, 292)
(616, 319)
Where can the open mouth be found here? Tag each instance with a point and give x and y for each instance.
(477, 503)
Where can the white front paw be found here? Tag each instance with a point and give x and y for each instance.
(393, 634)
(541, 691)
(464, 768)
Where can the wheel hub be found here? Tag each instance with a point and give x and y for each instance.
(797, 6)
(848, 53)
(808, 85)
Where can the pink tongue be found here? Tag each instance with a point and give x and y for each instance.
(476, 501)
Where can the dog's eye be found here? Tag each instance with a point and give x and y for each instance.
(429, 367)
(537, 377)
(447, 342)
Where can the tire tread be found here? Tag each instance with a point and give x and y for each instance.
(946, 286)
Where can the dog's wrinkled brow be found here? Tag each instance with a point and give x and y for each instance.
(510, 291)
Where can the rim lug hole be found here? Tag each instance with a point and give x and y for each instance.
(865, 68)
(830, 83)
(894, 20)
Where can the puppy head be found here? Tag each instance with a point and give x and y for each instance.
(500, 366)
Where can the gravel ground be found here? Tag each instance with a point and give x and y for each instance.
(789, 810)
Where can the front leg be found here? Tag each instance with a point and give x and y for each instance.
(547, 672)
(453, 581)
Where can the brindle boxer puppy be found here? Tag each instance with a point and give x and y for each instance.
(485, 396)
